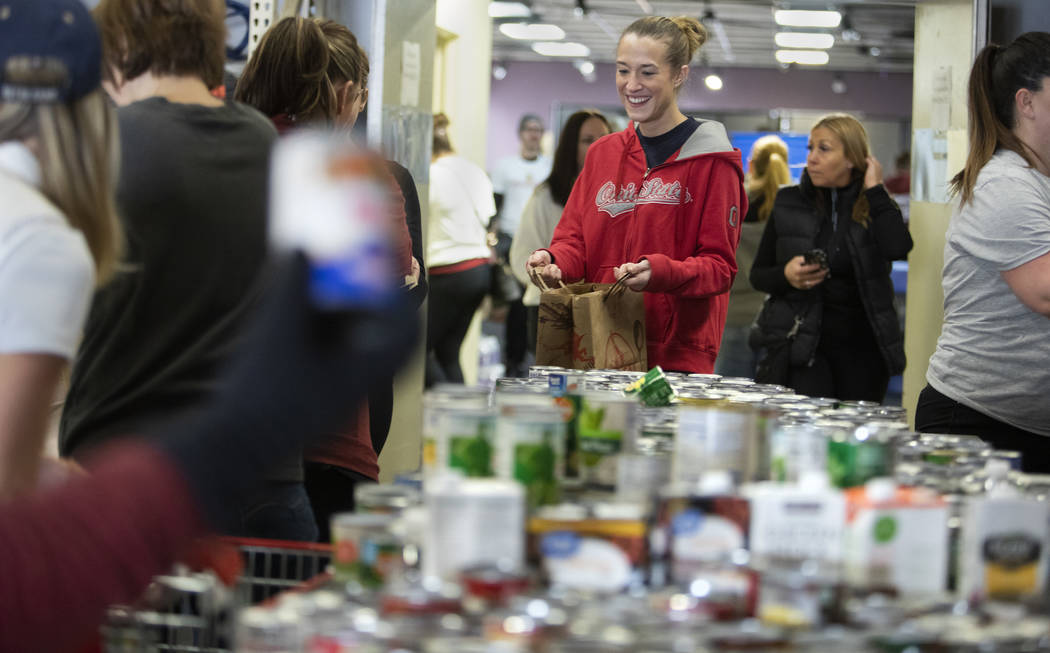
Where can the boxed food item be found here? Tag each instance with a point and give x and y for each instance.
(803, 521)
(602, 549)
(1004, 540)
(896, 538)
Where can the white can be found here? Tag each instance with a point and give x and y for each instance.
(472, 522)
(722, 438)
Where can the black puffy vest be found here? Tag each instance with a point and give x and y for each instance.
(799, 217)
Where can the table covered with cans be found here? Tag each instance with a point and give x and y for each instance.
(621, 511)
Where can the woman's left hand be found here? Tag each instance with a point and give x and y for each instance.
(873, 175)
(639, 274)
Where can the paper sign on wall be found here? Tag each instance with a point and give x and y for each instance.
(411, 69)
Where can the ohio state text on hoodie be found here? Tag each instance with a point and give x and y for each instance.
(683, 216)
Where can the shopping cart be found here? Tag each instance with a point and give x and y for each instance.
(192, 611)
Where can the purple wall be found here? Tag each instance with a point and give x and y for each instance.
(534, 87)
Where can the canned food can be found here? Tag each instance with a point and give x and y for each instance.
(363, 548)
(797, 449)
(461, 439)
(606, 424)
(385, 498)
(473, 522)
(639, 476)
(723, 438)
(562, 383)
(1012, 458)
(856, 456)
(531, 449)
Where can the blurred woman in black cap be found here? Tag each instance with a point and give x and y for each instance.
(59, 236)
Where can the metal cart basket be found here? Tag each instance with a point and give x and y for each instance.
(192, 612)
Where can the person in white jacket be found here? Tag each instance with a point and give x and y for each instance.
(543, 210)
(461, 206)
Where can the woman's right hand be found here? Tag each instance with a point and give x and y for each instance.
(540, 265)
(804, 275)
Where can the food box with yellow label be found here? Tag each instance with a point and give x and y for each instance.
(1004, 548)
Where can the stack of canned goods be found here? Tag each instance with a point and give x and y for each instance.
(620, 511)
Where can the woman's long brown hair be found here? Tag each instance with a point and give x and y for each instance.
(997, 74)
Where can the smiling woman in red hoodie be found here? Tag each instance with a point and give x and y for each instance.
(660, 202)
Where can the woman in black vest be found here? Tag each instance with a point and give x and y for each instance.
(829, 326)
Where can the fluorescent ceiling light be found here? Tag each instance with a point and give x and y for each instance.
(509, 10)
(804, 40)
(799, 18)
(713, 82)
(561, 49)
(585, 67)
(532, 32)
(807, 57)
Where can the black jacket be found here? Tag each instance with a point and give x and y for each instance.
(792, 229)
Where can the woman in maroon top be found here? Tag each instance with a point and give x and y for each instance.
(312, 72)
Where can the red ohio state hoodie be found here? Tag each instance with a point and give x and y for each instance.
(683, 216)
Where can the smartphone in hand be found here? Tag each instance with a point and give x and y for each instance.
(818, 256)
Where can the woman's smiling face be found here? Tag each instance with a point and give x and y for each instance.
(647, 84)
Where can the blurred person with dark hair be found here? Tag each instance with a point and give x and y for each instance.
(544, 209)
(461, 207)
(192, 199)
(313, 73)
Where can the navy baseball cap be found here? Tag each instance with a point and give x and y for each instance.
(50, 51)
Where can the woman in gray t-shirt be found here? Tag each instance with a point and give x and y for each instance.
(991, 369)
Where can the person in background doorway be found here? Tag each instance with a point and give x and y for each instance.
(900, 182)
(544, 209)
(831, 313)
(192, 198)
(310, 72)
(767, 172)
(58, 170)
(461, 207)
(988, 376)
(659, 204)
(514, 178)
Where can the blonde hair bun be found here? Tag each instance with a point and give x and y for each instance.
(694, 31)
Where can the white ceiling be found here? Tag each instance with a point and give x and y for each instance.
(747, 26)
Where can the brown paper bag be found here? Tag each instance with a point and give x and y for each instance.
(554, 330)
(610, 329)
(584, 326)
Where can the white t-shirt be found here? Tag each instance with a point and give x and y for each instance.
(515, 179)
(47, 276)
(461, 206)
(993, 354)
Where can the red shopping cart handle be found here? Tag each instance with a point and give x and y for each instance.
(215, 554)
(222, 554)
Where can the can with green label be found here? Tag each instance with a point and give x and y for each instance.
(531, 449)
(856, 454)
(458, 431)
(606, 424)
